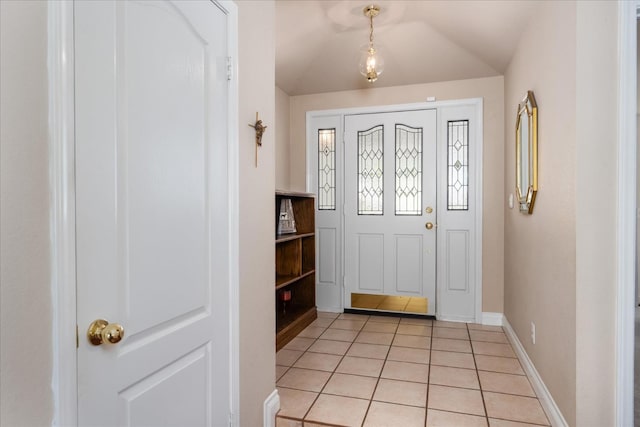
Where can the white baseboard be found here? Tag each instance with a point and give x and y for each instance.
(544, 396)
(271, 408)
(492, 319)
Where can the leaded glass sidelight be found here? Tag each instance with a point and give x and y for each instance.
(458, 165)
(326, 169)
(408, 170)
(370, 171)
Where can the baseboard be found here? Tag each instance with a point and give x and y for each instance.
(544, 396)
(271, 408)
(330, 309)
(492, 319)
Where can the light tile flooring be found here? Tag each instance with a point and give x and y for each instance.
(356, 370)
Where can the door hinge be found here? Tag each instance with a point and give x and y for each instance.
(229, 68)
(77, 338)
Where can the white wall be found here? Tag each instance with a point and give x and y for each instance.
(257, 208)
(282, 139)
(491, 89)
(25, 296)
(540, 260)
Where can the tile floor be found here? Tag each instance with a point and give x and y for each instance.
(356, 370)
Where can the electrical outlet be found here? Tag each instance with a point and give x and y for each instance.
(533, 332)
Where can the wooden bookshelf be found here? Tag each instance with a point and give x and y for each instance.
(295, 269)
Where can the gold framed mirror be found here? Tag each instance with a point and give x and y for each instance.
(527, 153)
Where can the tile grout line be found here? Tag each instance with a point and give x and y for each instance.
(426, 403)
(320, 392)
(360, 331)
(385, 360)
(299, 357)
(473, 356)
(377, 379)
(336, 367)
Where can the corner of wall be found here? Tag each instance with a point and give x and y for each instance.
(256, 27)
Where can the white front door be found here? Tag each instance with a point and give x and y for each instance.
(389, 199)
(152, 212)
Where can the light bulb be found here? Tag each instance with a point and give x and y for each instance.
(371, 63)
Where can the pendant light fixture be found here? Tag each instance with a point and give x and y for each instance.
(371, 63)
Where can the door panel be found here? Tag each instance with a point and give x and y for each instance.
(409, 264)
(457, 261)
(371, 262)
(327, 266)
(390, 180)
(186, 373)
(152, 191)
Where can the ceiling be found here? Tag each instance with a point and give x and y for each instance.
(318, 41)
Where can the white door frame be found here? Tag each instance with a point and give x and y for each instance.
(62, 211)
(628, 13)
(478, 107)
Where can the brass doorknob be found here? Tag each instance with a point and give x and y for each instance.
(100, 331)
(429, 225)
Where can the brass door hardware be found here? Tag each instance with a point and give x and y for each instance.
(100, 331)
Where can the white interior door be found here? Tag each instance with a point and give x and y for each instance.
(390, 196)
(152, 212)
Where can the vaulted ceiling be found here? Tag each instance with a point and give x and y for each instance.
(318, 42)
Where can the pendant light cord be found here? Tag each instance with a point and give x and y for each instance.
(370, 31)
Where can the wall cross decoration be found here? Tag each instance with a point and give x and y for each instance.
(260, 128)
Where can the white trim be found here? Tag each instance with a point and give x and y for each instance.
(544, 396)
(477, 103)
(234, 215)
(626, 209)
(492, 319)
(270, 409)
(479, 167)
(392, 108)
(60, 62)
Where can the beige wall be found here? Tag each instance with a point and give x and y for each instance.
(282, 139)
(25, 294)
(257, 207)
(596, 216)
(540, 249)
(560, 262)
(491, 90)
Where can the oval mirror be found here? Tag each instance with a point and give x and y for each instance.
(527, 153)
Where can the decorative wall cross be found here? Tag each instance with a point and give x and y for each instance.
(260, 128)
